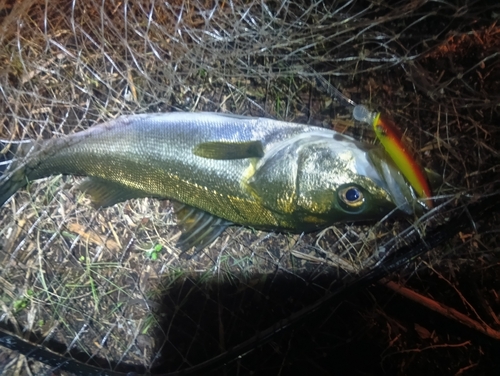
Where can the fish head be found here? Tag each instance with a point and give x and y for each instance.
(343, 180)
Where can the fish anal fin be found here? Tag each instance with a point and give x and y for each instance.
(105, 193)
(221, 150)
(198, 227)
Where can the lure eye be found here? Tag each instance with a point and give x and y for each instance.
(352, 196)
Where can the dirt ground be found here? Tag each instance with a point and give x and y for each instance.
(110, 289)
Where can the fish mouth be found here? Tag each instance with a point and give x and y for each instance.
(393, 181)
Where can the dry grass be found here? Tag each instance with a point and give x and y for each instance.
(92, 280)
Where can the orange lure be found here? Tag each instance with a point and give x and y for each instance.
(391, 140)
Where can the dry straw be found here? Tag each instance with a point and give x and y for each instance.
(109, 284)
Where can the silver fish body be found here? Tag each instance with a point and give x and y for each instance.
(256, 172)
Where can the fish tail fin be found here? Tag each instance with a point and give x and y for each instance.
(12, 175)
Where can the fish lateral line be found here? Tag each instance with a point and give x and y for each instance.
(256, 172)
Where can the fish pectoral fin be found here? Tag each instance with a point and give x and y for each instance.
(229, 150)
(199, 228)
(105, 193)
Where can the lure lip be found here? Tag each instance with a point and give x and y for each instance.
(392, 141)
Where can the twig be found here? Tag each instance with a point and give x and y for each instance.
(442, 309)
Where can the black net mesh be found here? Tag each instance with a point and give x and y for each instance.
(109, 288)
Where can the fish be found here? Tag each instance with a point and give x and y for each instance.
(220, 170)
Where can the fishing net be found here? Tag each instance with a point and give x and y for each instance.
(109, 288)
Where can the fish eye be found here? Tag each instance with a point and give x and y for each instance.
(352, 196)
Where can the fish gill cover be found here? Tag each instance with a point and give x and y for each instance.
(110, 285)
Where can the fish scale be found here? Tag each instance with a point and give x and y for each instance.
(257, 172)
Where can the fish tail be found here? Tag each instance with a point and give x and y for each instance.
(12, 174)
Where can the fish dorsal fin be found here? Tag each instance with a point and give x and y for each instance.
(105, 193)
(229, 150)
(199, 228)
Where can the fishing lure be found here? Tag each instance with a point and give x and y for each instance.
(391, 139)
